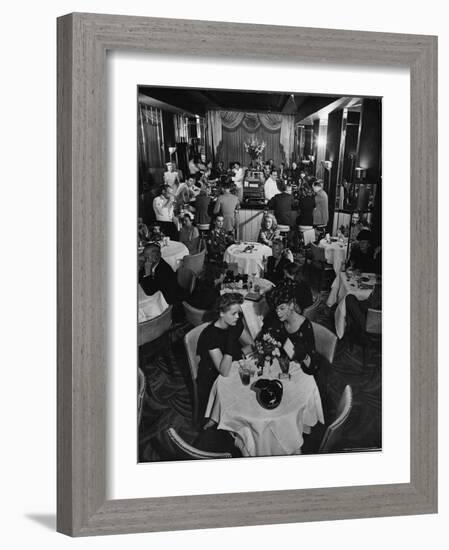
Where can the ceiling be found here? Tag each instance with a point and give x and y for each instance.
(197, 101)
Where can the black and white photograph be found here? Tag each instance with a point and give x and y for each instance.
(259, 274)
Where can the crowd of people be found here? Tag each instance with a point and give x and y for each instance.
(293, 199)
(296, 199)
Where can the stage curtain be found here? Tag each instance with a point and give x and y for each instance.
(232, 149)
(288, 135)
(214, 130)
(229, 130)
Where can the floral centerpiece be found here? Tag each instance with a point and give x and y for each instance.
(266, 349)
(254, 148)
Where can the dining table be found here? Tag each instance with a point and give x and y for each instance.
(348, 282)
(259, 431)
(249, 257)
(173, 252)
(335, 252)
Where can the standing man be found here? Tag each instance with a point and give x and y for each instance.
(270, 187)
(321, 210)
(226, 205)
(283, 205)
(237, 178)
(163, 206)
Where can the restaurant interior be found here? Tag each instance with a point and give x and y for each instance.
(266, 206)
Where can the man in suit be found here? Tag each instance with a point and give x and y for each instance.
(156, 274)
(283, 205)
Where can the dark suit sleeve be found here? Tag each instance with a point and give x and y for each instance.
(272, 203)
(168, 283)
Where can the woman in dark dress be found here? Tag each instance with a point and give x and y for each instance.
(290, 324)
(276, 263)
(306, 206)
(218, 345)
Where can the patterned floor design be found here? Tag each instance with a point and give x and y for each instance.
(167, 401)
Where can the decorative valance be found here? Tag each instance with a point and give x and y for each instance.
(251, 122)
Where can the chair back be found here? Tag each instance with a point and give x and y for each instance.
(325, 341)
(195, 262)
(186, 279)
(308, 311)
(308, 236)
(318, 253)
(194, 315)
(203, 227)
(283, 228)
(334, 431)
(373, 321)
(184, 450)
(152, 329)
(141, 386)
(190, 342)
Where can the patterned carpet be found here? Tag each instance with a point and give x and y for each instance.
(167, 400)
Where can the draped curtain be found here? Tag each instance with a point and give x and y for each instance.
(229, 130)
(151, 137)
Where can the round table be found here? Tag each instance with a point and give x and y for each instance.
(262, 432)
(248, 262)
(173, 253)
(335, 253)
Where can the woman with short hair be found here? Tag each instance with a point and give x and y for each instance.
(218, 345)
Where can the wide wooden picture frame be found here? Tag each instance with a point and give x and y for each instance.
(83, 41)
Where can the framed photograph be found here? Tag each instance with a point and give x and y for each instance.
(250, 183)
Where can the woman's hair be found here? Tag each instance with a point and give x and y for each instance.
(282, 294)
(226, 301)
(278, 241)
(293, 269)
(306, 190)
(263, 225)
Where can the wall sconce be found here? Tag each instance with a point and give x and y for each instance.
(360, 173)
(312, 158)
(327, 164)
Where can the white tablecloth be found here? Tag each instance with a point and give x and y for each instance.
(335, 253)
(248, 262)
(262, 432)
(150, 306)
(173, 253)
(341, 287)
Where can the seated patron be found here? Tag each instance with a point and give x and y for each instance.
(268, 230)
(189, 234)
(156, 274)
(270, 186)
(218, 345)
(356, 312)
(218, 240)
(276, 263)
(208, 286)
(290, 324)
(187, 192)
(363, 256)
